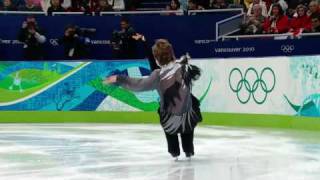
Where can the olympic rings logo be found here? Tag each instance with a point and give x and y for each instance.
(252, 87)
(287, 48)
(54, 42)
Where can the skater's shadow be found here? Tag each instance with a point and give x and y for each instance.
(181, 171)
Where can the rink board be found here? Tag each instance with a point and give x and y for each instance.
(220, 119)
(273, 92)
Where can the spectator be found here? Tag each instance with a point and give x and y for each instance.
(234, 4)
(193, 5)
(174, 5)
(218, 4)
(103, 6)
(30, 5)
(263, 7)
(132, 5)
(293, 4)
(36, 2)
(300, 22)
(55, 6)
(8, 6)
(315, 24)
(117, 5)
(15, 3)
(278, 22)
(314, 9)
(33, 39)
(78, 6)
(123, 43)
(76, 42)
(282, 3)
(120, 5)
(204, 3)
(253, 24)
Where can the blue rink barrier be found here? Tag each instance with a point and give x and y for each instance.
(264, 47)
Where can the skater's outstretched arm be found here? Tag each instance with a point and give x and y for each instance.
(148, 51)
(135, 84)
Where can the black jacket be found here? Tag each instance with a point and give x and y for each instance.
(75, 47)
(33, 43)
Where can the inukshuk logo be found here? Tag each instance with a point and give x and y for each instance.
(251, 84)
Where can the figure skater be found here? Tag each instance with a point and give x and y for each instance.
(179, 110)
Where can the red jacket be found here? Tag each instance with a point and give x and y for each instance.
(303, 22)
(281, 25)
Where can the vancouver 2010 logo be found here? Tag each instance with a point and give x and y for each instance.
(258, 86)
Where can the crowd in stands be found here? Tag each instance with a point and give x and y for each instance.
(262, 16)
(280, 16)
(66, 5)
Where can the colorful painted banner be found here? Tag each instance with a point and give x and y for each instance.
(281, 85)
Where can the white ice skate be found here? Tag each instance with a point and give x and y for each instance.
(189, 158)
(189, 155)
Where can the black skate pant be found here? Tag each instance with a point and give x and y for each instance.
(187, 143)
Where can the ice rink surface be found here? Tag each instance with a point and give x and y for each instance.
(138, 152)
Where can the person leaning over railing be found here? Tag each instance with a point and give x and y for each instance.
(7, 5)
(253, 24)
(300, 23)
(277, 22)
(33, 39)
(55, 6)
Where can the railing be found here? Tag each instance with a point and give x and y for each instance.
(23, 12)
(273, 36)
(67, 13)
(240, 10)
(160, 12)
(141, 12)
(228, 26)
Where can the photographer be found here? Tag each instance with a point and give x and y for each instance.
(76, 42)
(124, 46)
(32, 38)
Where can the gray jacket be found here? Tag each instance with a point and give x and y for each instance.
(179, 109)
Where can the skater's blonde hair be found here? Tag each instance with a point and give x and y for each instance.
(163, 52)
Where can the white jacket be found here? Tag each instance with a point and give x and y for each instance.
(263, 7)
(282, 3)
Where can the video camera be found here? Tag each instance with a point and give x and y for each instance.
(72, 31)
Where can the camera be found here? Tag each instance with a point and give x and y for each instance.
(72, 31)
(116, 40)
